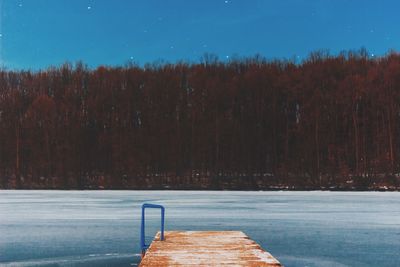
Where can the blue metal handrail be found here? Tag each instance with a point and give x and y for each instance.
(142, 228)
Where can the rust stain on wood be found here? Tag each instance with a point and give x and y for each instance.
(206, 248)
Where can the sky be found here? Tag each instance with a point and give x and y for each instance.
(35, 34)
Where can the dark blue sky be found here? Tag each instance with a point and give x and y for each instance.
(37, 33)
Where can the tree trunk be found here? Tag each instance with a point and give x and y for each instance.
(17, 156)
(391, 157)
(216, 144)
(317, 148)
(355, 125)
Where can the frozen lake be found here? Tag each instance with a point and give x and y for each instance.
(101, 228)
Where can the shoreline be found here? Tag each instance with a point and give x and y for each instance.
(204, 189)
(203, 183)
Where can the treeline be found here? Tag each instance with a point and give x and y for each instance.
(328, 122)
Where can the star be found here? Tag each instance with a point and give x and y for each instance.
(1, 35)
(226, 1)
(89, 7)
(20, 5)
(131, 58)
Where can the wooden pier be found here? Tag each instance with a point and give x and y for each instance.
(206, 248)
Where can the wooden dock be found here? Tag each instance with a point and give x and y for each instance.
(206, 248)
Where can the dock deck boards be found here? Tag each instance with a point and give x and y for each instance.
(206, 248)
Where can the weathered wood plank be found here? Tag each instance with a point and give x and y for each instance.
(206, 248)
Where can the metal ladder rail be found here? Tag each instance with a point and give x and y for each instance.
(142, 228)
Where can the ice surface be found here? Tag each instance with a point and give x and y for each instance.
(86, 228)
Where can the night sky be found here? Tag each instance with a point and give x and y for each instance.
(37, 33)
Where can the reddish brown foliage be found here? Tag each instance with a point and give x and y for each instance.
(252, 123)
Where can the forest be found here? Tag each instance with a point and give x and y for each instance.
(329, 122)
